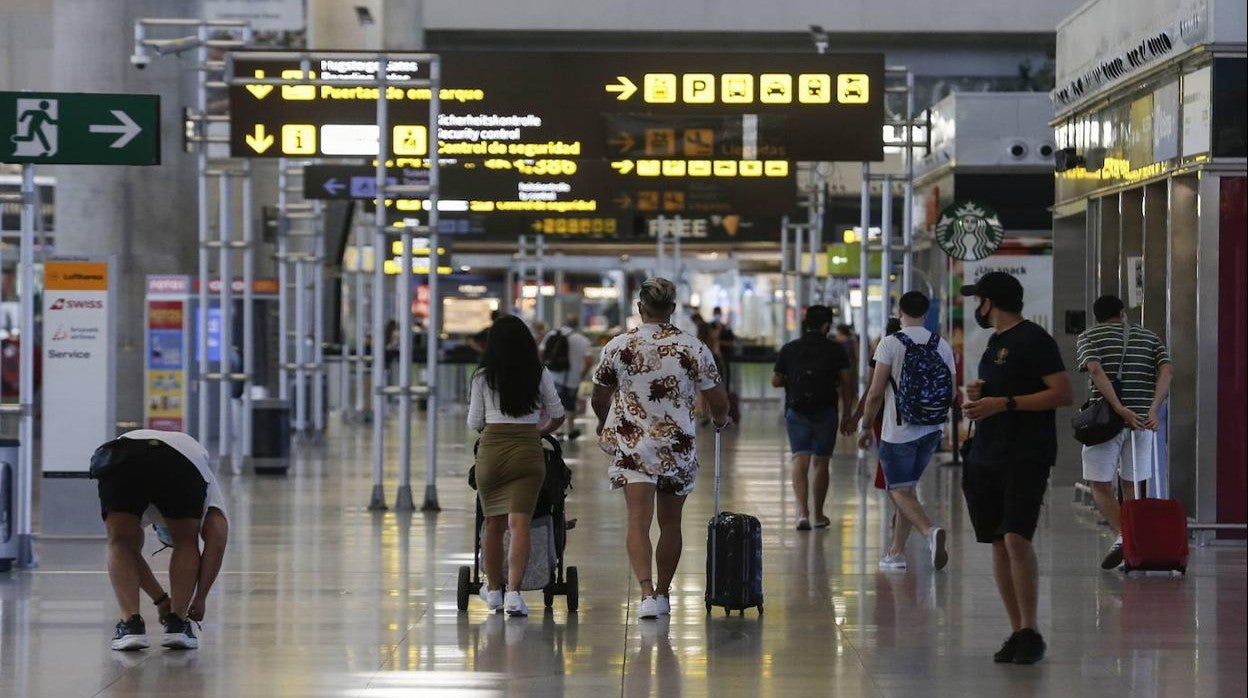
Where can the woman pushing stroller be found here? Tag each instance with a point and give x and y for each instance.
(513, 403)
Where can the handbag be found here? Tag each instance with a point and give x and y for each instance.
(1096, 422)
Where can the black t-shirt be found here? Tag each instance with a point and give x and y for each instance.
(1015, 363)
(796, 352)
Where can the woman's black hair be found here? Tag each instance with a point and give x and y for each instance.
(511, 366)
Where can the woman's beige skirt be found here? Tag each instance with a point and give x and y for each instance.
(510, 469)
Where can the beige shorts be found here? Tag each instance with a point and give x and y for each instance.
(679, 484)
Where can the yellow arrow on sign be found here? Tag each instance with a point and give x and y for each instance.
(623, 140)
(625, 88)
(260, 91)
(259, 142)
(623, 166)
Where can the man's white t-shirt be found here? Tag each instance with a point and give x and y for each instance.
(892, 352)
(196, 454)
(579, 347)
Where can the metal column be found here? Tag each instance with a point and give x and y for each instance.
(249, 308)
(863, 280)
(784, 280)
(907, 212)
(225, 264)
(886, 245)
(434, 324)
(26, 368)
(283, 281)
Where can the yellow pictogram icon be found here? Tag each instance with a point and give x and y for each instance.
(260, 91)
(410, 140)
(814, 88)
(647, 200)
(258, 140)
(660, 141)
(776, 168)
(775, 88)
(298, 92)
(674, 168)
(699, 142)
(649, 168)
(699, 88)
(298, 139)
(751, 168)
(736, 88)
(699, 168)
(673, 201)
(624, 88)
(725, 168)
(659, 88)
(852, 88)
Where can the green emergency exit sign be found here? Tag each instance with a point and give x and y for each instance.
(74, 128)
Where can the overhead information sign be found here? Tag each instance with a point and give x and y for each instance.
(73, 128)
(796, 107)
(569, 186)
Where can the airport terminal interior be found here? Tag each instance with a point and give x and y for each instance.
(278, 279)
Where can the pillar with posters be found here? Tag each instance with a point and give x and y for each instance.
(166, 351)
(79, 380)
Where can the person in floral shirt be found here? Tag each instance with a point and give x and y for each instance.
(645, 389)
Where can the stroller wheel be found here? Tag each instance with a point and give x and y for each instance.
(573, 588)
(461, 592)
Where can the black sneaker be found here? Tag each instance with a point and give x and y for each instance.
(574, 435)
(130, 635)
(1113, 558)
(1005, 655)
(1029, 647)
(179, 635)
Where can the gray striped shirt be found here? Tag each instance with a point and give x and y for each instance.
(1145, 355)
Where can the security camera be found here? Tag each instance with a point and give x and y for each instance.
(140, 60)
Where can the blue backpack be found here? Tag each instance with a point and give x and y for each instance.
(926, 391)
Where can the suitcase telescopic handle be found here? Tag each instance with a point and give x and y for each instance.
(715, 513)
(1158, 493)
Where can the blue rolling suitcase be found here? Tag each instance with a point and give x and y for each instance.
(734, 560)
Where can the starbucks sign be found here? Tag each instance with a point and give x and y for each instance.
(969, 231)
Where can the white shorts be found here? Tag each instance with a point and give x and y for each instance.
(1100, 461)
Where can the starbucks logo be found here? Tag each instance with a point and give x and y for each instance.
(969, 231)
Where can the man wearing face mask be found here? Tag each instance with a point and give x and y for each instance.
(1022, 380)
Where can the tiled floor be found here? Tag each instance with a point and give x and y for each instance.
(321, 598)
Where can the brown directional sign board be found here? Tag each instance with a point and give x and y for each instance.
(708, 111)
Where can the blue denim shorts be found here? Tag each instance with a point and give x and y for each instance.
(904, 463)
(812, 433)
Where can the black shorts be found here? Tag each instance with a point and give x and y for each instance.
(134, 473)
(1004, 498)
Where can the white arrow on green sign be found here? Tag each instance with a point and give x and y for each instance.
(73, 128)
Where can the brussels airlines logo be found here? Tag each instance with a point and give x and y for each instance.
(63, 304)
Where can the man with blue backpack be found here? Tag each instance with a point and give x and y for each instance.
(913, 382)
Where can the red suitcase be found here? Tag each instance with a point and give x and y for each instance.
(1154, 531)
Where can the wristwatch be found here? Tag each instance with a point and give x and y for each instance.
(1011, 404)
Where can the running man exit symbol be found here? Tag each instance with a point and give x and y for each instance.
(36, 128)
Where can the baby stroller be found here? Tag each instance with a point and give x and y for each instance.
(553, 579)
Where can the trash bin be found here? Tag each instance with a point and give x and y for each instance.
(270, 436)
(8, 503)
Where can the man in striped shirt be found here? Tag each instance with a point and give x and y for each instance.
(1144, 378)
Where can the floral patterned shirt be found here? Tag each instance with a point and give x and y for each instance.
(657, 371)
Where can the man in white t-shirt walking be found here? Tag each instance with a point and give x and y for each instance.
(568, 354)
(913, 382)
(160, 478)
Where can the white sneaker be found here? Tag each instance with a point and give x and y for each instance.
(515, 605)
(893, 563)
(649, 608)
(936, 541)
(665, 604)
(493, 599)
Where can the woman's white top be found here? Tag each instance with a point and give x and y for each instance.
(483, 405)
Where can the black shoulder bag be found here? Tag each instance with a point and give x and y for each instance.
(1097, 422)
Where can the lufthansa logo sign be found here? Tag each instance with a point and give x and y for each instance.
(969, 231)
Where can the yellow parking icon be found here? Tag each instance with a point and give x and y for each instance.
(699, 88)
(775, 88)
(298, 139)
(659, 88)
(852, 88)
(736, 88)
(411, 140)
(814, 88)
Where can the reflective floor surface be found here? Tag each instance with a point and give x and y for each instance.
(320, 597)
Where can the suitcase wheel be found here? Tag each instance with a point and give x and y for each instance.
(461, 593)
(1183, 571)
(760, 609)
(708, 608)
